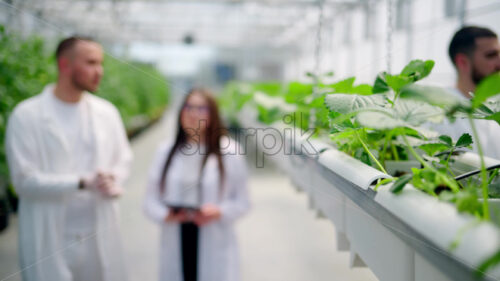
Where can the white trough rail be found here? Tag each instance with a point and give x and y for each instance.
(400, 237)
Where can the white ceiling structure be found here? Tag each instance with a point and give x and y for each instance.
(218, 23)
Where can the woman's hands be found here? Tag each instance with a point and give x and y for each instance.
(179, 216)
(208, 213)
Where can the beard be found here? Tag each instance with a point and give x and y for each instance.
(82, 85)
(477, 76)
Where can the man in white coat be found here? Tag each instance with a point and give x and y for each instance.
(475, 53)
(68, 155)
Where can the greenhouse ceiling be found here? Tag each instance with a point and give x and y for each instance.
(221, 23)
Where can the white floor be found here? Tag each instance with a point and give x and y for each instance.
(281, 239)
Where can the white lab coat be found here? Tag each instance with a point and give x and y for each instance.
(488, 131)
(218, 258)
(38, 154)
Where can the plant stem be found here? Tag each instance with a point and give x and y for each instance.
(383, 181)
(492, 176)
(394, 152)
(396, 95)
(451, 184)
(370, 154)
(387, 139)
(484, 175)
(447, 165)
(449, 156)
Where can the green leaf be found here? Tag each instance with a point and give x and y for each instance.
(339, 123)
(414, 71)
(372, 111)
(428, 179)
(268, 116)
(380, 84)
(464, 141)
(344, 86)
(447, 140)
(343, 133)
(362, 89)
(298, 92)
(489, 87)
(491, 105)
(418, 69)
(495, 117)
(432, 95)
(396, 82)
(484, 110)
(467, 202)
(489, 263)
(405, 113)
(269, 88)
(489, 109)
(494, 189)
(401, 182)
(345, 103)
(380, 119)
(416, 113)
(433, 148)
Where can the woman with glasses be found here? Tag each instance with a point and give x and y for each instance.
(196, 191)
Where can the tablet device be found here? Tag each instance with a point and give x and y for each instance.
(177, 208)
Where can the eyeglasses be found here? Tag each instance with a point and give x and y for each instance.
(202, 109)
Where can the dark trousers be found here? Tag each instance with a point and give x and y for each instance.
(189, 244)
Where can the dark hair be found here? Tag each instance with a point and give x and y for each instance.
(213, 133)
(464, 40)
(69, 43)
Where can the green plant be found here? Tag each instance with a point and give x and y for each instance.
(380, 113)
(25, 70)
(138, 90)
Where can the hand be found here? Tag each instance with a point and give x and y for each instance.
(107, 185)
(178, 217)
(114, 191)
(103, 183)
(207, 214)
(90, 182)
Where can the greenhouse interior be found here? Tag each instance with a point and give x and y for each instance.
(351, 140)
